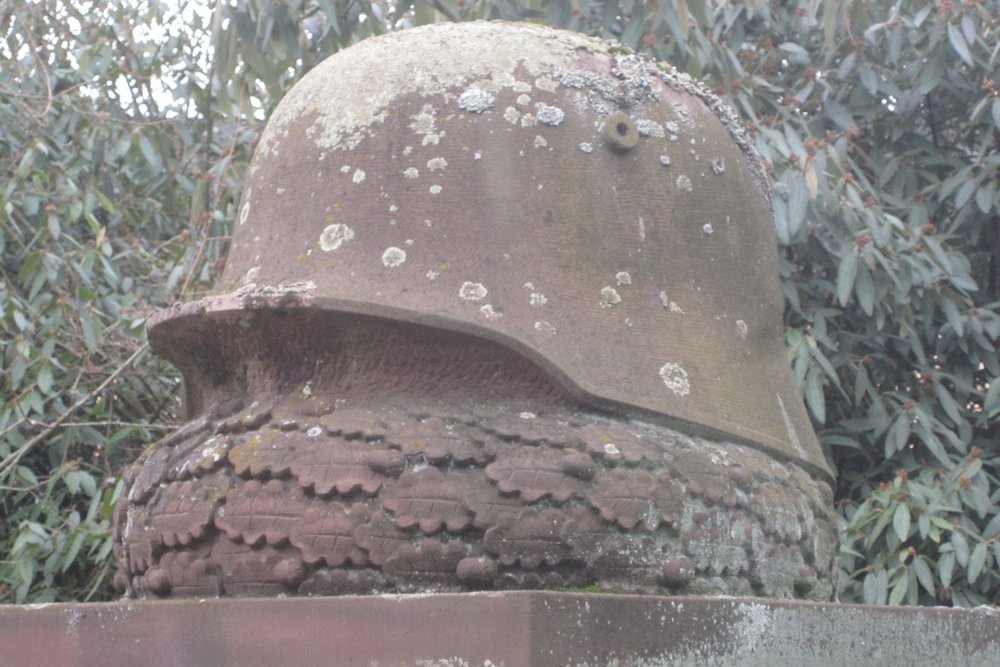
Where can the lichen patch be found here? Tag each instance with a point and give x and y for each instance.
(476, 100)
(470, 291)
(544, 327)
(675, 378)
(742, 329)
(335, 236)
(490, 313)
(684, 183)
(437, 164)
(359, 176)
(609, 297)
(623, 278)
(550, 115)
(393, 257)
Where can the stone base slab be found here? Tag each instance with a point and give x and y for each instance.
(513, 629)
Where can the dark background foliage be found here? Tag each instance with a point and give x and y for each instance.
(126, 129)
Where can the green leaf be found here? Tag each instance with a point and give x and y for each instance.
(977, 561)
(992, 528)
(899, 588)
(961, 546)
(991, 400)
(901, 521)
(957, 40)
(946, 565)
(924, 575)
(44, 379)
(932, 71)
(846, 273)
(815, 397)
(148, 152)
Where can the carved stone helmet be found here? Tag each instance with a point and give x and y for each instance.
(602, 216)
(567, 250)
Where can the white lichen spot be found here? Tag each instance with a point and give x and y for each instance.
(315, 432)
(478, 155)
(544, 327)
(359, 176)
(521, 87)
(681, 111)
(609, 297)
(393, 257)
(527, 120)
(250, 275)
(245, 209)
(511, 115)
(612, 450)
(672, 128)
(587, 147)
(742, 329)
(393, 208)
(409, 241)
(490, 313)
(476, 100)
(471, 291)
(540, 141)
(527, 415)
(335, 236)
(432, 275)
(307, 390)
(529, 285)
(408, 150)
(669, 305)
(434, 189)
(546, 83)
(537, 299)
(648, 128)
(719, 166)
(684, 183)
(437, 164)
(411, 173)
(550, 115)
(523, 99)
(665, 160)
(346, 169)
(432, 139)
(675, 378)
(707, 229)
(623, 278)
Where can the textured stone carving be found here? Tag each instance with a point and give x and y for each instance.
(669, 513)
(474, 338)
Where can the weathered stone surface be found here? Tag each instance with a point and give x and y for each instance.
(327, 509)
(478, 331)
(522, 629)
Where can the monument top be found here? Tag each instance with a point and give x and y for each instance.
(601, 215)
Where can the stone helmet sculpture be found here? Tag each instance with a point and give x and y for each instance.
(500, 310)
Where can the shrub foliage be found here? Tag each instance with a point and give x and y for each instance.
(126, 130)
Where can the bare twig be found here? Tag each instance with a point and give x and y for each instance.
(16, 455)
(45, 75)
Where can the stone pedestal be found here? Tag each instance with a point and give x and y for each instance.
(518, 629)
